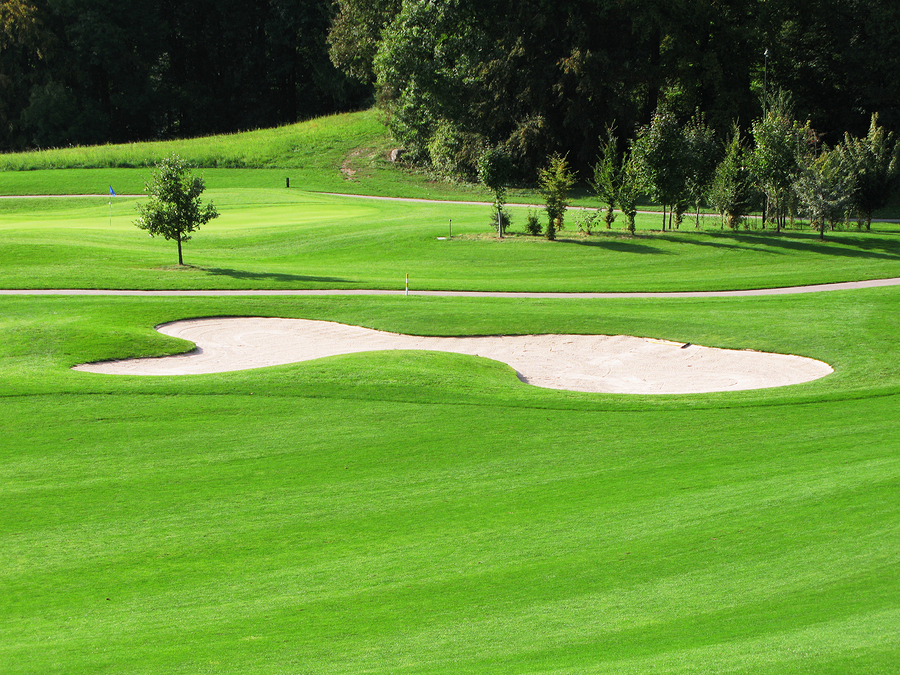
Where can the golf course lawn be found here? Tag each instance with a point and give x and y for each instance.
(429, 513)
(282, 239)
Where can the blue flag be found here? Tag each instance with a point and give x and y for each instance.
(111, 191)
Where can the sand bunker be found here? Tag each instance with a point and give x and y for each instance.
(595, 363)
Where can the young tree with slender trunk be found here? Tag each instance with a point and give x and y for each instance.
(629, 190)
(174, 210)
(824, 188)
(703, 153)
(608, 174)
(875, 162)
(555, 181)
(779, 145)
(494, 169)
(730, 190)
(660, 155)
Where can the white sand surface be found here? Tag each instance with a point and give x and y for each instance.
(595, 363)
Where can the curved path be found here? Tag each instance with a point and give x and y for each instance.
(816, 288)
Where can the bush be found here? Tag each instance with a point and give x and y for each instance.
(504, 221)
(587, 220)
(533, 224)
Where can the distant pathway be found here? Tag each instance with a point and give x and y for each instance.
(817, 288)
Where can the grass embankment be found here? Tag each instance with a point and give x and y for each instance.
(340, 153)
(429, 513)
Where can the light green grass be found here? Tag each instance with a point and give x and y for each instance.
(278, 238)
(428, 513)
(412, 512)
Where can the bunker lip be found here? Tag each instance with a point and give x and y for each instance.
(617, 364)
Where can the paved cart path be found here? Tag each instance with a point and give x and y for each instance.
(816, 288)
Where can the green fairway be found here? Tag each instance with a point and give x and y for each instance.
(422, 512)
(277, 239)
(429, 513)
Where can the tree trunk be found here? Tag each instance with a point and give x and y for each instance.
(664, 217)
(180, 261)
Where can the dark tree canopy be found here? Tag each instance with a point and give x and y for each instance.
(455, 77)
(88, 71)
(542, 76)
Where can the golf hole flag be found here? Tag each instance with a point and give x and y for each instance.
(111, 191)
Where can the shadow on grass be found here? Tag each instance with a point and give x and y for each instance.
(836, 244)
(839, 244)
(270, 276)
(619, 244)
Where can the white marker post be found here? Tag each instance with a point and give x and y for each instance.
(450, 229)
(407, 284)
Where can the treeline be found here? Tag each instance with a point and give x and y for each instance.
(537, 77)
(96, 71)
(782, 169)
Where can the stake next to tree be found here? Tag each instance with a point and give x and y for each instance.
(174, 210)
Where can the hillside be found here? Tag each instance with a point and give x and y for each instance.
(349, 152)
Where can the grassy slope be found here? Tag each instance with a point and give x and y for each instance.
(428, 513)
(342, 153)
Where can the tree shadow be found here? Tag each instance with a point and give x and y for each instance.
(270, 276)
(619, 244)
(836, 244)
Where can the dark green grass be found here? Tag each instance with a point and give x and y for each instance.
(279, 239)
(428, 513)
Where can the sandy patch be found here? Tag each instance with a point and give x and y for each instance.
(595, 363)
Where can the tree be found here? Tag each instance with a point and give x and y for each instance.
(629, 190)
(174, 210)
(355, 34)
(824, 188)
(779, 141)
(661, 159)
(703, 155)
(493, 171)
(23, 44)
(730, 191)
(875, 163)
(554, 182)
(608, 174)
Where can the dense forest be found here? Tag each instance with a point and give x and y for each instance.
(96, 71)
(453, 77)
(543, 76)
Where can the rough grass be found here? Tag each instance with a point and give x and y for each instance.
(316, 143)
(340, 153)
